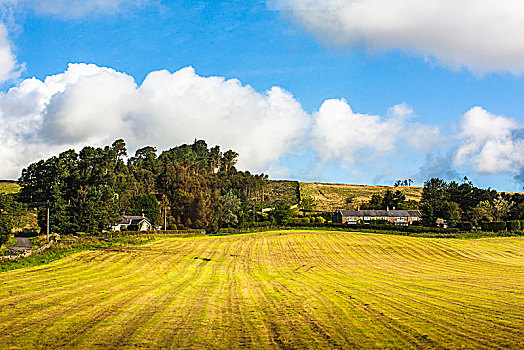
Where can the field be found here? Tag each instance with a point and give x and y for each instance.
(329, 197)
(281, 289)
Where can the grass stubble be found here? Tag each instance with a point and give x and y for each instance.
(279, 289)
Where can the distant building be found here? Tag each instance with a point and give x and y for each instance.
(133, 223)
(397, 217)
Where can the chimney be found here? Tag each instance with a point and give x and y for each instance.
(387, 208)
(358, 207)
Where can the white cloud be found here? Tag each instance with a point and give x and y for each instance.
(483, 35)
(491, 143)
(94, 105)
(341, 134)
(9, 68)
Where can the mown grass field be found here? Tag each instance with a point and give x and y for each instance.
(329, 197)
(283, 289)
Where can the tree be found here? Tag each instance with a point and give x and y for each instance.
(281, 212)
(501, 208)
(451, 213)
(231, 209)
(10, 210)
(229, 160)
(376, 201)
(145, 204)
(433, 197)
(307, 204)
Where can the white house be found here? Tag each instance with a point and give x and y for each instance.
(133, 223)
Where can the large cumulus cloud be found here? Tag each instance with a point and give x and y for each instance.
(483, 35)
(340, 134)
(88, 104)
(491, 144)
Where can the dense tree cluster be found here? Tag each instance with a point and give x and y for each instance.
(390, 200)
(187, 186)
(10, 212)
(463, 202)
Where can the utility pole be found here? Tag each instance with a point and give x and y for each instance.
(47, 224)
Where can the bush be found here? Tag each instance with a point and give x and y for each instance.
(465, 226)
(320, 220)
(522, 224)
(305, 220)
(513, 225)
(494, 226)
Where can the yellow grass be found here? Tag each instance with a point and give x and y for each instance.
(9, 187)
(286, 289)
(329, 197)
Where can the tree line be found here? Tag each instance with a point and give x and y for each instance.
(188, 186)
(465, 203)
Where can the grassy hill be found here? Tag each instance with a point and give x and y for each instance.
(26, 222)
(8, 187)
(273, 290)
(329, 197)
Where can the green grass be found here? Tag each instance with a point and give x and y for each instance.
(9, 187)
(279, 289)
(329, 197)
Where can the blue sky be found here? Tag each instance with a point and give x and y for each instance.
(327, 90)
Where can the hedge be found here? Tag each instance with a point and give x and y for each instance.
(465, 226)
(513, 225)
(494, 226)
(382, 227)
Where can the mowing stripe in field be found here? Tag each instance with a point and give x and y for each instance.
(281, 289)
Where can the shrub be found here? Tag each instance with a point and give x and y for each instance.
(320, 220)
(493, 226)
(465, 226)
(513, 225)
(305, 220)
(379, 222)
(522, 224)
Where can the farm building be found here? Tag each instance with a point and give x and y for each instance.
(397, 217)
(133, 223)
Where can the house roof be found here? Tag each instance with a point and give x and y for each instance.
(380, 213)
(132, 220)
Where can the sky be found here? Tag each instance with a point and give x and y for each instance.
(346, 91)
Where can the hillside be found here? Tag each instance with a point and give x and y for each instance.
(329, 197)
(28, 221)
(273, 290)
(8, 187)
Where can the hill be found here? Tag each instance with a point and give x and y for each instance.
(329, 197)
(273, 290)
(7, 186)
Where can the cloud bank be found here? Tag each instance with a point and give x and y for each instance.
(482, 35)
(340, 134)
(91, 105)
